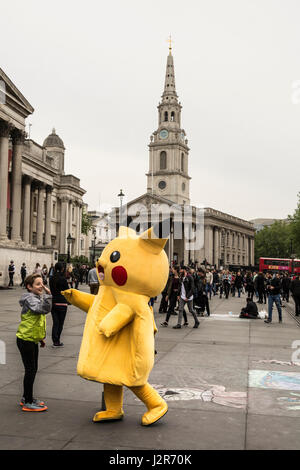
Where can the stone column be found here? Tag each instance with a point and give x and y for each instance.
(171, 242)
(208, 244)
(16, 183)
(5, 129)
(63, 225)
(252, 252)
(26, 214)
(77, 218)
(40, 214)
(48, 216)
(79, 228)
(216, 247)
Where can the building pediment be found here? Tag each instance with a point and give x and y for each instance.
(13, 105)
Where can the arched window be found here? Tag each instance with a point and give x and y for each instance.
(163, 160)
(182, 162)
(172, 116)
(166, 116)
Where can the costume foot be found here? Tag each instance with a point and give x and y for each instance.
(155, 414)
(107, 416)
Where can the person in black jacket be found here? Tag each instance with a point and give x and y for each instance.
(295, 290)
(58, 283)
(286, 284)
(259, 286)
(250, 311)
(274, 288)
(186, 295)
(238, 283)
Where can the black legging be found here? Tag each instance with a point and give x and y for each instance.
(58, 313)
(29, 353)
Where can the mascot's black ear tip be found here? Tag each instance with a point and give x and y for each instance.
(162, 229)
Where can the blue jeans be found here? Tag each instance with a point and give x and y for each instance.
(208, 289)
(271, 300)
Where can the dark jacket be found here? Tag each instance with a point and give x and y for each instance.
(238, 281)
(251, 307)
(286, 283)
(188, 285)
(260, 282)
(295, 287)
(276, 283)
(58, 282)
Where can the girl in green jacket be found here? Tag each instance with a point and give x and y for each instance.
(32, 331)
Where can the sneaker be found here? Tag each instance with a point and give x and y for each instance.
(186, 324)
(268, 321)
(33, 407)
(165, 323)
(35, 401)
(58, 345)
(177, 327)
(196, 325)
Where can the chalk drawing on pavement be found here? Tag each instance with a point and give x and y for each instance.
(278, 380)
(209, 393)
(292, 402)
(275, 361)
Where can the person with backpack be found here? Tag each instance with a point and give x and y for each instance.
(36, 304)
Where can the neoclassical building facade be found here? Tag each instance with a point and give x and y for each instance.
(39, 205)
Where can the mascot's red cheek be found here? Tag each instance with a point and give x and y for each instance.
(119, 275)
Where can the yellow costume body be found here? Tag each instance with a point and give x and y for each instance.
(118, 341)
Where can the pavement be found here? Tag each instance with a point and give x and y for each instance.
(230, 384)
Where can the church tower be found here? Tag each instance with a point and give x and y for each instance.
(168, 151)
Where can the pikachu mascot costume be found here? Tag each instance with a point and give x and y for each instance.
(118, 341)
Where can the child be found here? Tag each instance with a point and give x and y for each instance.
(31, 331)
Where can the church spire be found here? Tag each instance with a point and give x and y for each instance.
(170, 90)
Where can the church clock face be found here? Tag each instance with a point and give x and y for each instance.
(162, 184)
(163, 134)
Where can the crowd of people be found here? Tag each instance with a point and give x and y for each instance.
(195, 287)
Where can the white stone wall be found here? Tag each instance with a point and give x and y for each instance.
(19, 256)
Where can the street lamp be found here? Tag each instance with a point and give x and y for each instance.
(94, 246)
(69, 241)
(121, 195)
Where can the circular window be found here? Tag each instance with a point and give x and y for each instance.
(162, 185)
(183, 186)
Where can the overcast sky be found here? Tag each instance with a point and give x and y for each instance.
(95, 71)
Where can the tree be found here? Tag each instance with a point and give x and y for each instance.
(274, 241)
(86, 223)
(295, 228)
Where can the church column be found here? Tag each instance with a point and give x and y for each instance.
(208, 244)
(40, 214)
(26, 215)
(216, 247)
(48, 216)
(63, 224)
(5, 130)
(16, 186)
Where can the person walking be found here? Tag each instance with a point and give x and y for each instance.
(295, 290)
(37, 269)
(186, 297)
(11, 273)
(36, 303)
(259, 286)
(93, 281)
(44, 274)
(286, 284)
(23, 273)
(51, 271)
(163, 307)
(209, 282)
(249, 287)
(58, 283)
(238, 283)
(172, 294)
(273, 288)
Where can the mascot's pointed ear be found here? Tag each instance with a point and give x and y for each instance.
(126, 232)
(150, 240)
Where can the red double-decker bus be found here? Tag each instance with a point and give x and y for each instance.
(284, 265)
